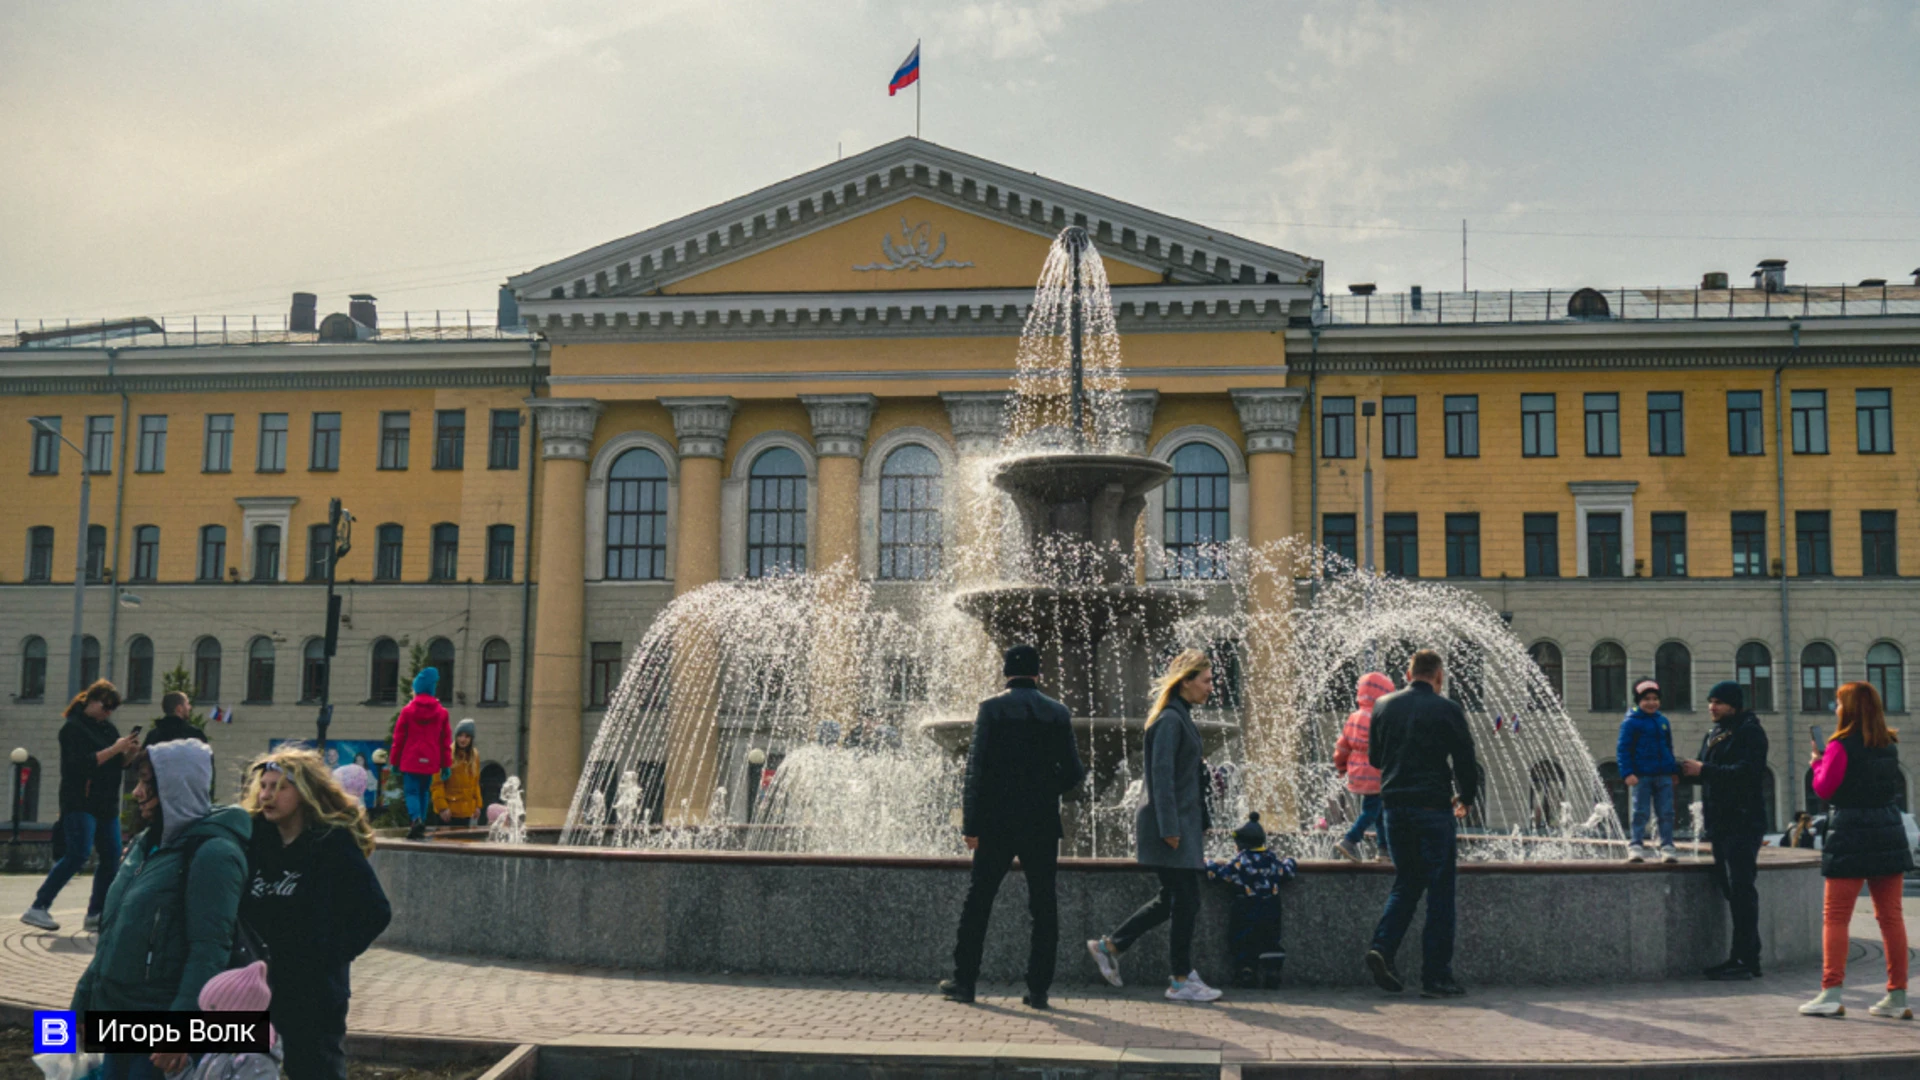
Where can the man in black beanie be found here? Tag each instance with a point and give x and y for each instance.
(1732, 768)
(1021, 761)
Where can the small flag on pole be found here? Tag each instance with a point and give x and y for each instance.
(221, 715)
(908, 74)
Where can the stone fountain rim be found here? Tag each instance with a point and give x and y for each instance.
(456, 842)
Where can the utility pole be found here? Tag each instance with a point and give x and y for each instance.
(339, 542)
(1463, 254)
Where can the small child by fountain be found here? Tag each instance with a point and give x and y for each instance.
(1647, 765)
(422, 747)
(1253, 921)
(1350, 759)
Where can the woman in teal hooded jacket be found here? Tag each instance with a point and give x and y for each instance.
(169, 918)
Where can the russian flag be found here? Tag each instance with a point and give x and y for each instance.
(908, 74)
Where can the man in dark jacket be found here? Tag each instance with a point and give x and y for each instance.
(1732, 768)
(176, 711)
(1022, 759)
(1428, 779)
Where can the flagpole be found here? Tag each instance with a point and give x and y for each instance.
(917, 80)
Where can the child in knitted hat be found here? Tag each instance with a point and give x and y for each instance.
(239, 990)
(1253, 921)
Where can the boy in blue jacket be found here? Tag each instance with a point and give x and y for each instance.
(1253, 921)
(1648, 767)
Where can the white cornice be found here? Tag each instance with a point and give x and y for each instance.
(795, 206)
(263, 366)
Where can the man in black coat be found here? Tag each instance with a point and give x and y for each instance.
(1429, 776)
(1732, 768)
(1022, 759)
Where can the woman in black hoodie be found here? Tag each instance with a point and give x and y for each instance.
(313, 899)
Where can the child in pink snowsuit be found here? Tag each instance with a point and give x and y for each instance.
(1350, 758)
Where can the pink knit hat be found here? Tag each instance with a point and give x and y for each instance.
(240, 990)
(1372, 687)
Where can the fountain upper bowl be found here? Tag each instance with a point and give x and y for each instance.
(1066, 478)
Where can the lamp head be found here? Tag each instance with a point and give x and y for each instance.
(379, 757)
(756, 756)
(19, 755)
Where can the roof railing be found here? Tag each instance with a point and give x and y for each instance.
(1419, 307)
(186, 331)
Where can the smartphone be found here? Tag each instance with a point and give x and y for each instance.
(135, 733)
(1813, 733)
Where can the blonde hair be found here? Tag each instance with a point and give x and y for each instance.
(325, 802)
(1185, 666)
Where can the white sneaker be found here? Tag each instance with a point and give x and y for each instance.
(1347, 849)
(92, 924)
(1669, 853)
(1194, 977)
(1636, 853)
(40, 917)
(1893, 1006)
(1105, 960)
(1192, 990)
(1827, 1004)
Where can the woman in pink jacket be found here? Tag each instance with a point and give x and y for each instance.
(1350, 758)
(422, 746)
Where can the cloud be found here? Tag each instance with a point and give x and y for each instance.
(1357, 35)
(1004, 30)
(1724, 49)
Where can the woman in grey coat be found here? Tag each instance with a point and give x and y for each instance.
(1169, 829)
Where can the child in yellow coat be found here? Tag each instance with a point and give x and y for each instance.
(456, 799)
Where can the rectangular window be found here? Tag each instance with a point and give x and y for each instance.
(499, 553)
(1403, 545)
(273, 443)
(1463, 425)
(319, 550)
(1809, 421)
(1750, 543)
(1873, 417)
(1813, 542)
(1603, 546)
(1336, 427)
(1542, 534)
(1877, 551)
(1539, 434)
(46, 446)
(1400, 436)
(1603, 425)
(446, 553)
(604, 676)
(39, 554)
(217, 455)
(1669, 545)
(99, 444)
(146, 552)
(1339, 535)
(396, 428)
(1463, 545)
(153, 445)
(326, 442)
(450, 439)
(1745, 435)
(96, 559)
(1666, 425)
(386, 555)
(266, 553)
(503, 440)
(213, 552)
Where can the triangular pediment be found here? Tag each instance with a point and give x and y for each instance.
(875, 222)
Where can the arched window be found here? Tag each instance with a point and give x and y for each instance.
(1888, 675)
(206, 670)
(389, 540)
(1546, 657)
(637, 517)
(39, 554)
(1673, 670)
(313, 669)
(384, 686)
(146, 553)
(96, 553)
(910, 538)
(1819, 677)
(1609, 672)
(33, 669)
(89, 660)
(266, 553)
(140, 669)
(440, 656)
(1753, 670)
(776, 513)
(445, 565)
(260, 670)
(1197, 513)
(213, 554)
(494, 658)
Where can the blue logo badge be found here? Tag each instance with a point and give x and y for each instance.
(55, 1032)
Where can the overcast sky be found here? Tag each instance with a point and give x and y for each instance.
(211, 156)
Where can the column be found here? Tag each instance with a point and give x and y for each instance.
(840, 423)
(565, 427)
(978, 420)
(1269, 418)
(1136, 429)
(693, 735)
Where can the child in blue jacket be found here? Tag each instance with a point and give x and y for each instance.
(1648, 767)
(1253, 922)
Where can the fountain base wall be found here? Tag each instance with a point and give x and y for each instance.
(894, 918)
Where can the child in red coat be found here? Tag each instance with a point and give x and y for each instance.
(1350, 759)
(422, 747)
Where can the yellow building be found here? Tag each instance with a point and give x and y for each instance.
(732, 391)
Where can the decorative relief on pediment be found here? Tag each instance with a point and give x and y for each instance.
(916, 250)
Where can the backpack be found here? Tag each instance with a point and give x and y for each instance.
(247, 945)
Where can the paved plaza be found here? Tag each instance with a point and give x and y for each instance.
(405, 993)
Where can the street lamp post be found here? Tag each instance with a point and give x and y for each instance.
(756, 766)
(379, 779)
(80, 559)
(339, 542)
(20, 774)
